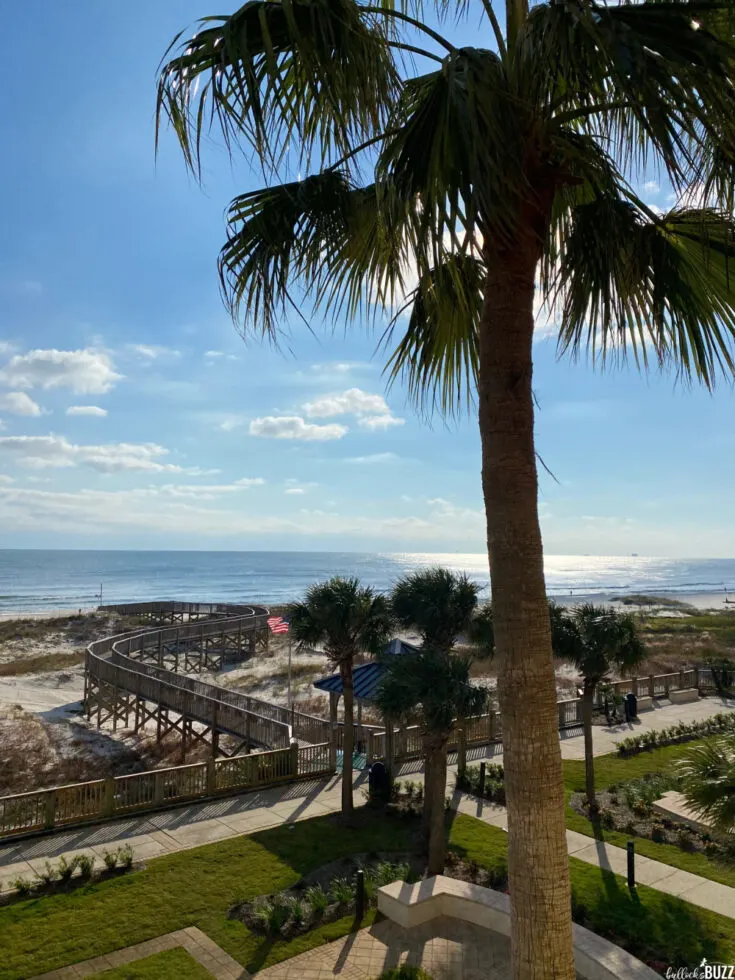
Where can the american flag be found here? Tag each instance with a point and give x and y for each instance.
(277, 624)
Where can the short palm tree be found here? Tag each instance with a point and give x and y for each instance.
(478, 172)
(708, 781)
(597, 640)
(346, 619)
(439, 687)
(439, 604)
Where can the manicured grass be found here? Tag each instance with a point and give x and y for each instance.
(194, 887)
(173, 964)
(614, 769)
(655, 926)
(197, 887)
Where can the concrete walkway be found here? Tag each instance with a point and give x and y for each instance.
(201, 823)
(198, 945)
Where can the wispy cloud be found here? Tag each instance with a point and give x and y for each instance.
(18, 403)
(371, 409)
(374, 458)
(152, 352)
(86, 372)
(93, 410)
(294, 427)
(53, 451)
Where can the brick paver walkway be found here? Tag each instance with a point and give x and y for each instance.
(193, 940)
(447, 949)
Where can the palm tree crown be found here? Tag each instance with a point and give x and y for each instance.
(344, 617)
(597, 639)
(437, 602)
(545, 134)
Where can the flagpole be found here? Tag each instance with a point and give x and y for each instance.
(289, 668)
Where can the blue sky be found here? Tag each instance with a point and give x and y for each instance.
(109, 301)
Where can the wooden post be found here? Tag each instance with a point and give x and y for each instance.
(491, 725)
(461, 751)
(389, 747)
(247, 732)
(359, 726)
(50, 811)
(294, 757)
(333, 699)
(158, 788)
(109, 804)
(650, 685)
(211, 776)
(681, 680)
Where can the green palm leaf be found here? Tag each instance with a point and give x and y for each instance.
(277, 73)
(708, 781)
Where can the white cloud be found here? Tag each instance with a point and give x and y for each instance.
(41, 452)
(151, 352)
(86, 410)
(6, 348)
(351, 402)
(86, 372)
(233, 422)
(214, 353)
(374, 458)
(650, 187)
(295, 490)
(18, 403)
(376, 423)
(6, 479)
(294, 427)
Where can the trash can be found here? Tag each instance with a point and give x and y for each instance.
(631, 706)
(379, 782)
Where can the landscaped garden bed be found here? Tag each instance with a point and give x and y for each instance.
(685, 731)
(199, 887)
(66, 874)
(628, 808)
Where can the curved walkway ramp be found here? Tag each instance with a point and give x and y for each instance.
(138, 678)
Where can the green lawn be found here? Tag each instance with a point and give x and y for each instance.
(613, 769)
(198, 886)
(173, 964)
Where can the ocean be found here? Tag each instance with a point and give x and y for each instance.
(34, 581)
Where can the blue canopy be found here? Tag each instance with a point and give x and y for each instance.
(366, 677)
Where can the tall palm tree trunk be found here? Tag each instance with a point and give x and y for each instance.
(588, 693)
(541, 927)
(435, 788)
(428, 773)
(348, 742)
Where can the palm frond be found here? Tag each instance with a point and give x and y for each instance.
(437, 355)
(708, 781)
(630, 280)
(314, 74)
(647, 77)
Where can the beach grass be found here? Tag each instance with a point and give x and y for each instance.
(198, 887)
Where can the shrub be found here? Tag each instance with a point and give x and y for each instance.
(630, 829)
(47, 876)
(341, 891)
(607, 819)
(579, 911)
(85, 863)
(684, 839)
(22, 886)
(110, 859)
(297, 909)
(405, 972)
(66, 868)
(317, 899)
(125, 857)
(682, 732)
(409, 788)
(641, 808)
(274, 914)
(658, 834)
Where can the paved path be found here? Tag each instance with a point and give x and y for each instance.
(446, 948)
(201, 823)
(214, 959)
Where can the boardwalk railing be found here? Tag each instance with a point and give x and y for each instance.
(117, 796)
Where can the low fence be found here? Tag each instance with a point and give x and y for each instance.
(117, 796)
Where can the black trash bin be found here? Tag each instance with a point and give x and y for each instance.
(631, 706)
(379, 782)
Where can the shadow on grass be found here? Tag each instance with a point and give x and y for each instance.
(655, 927)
